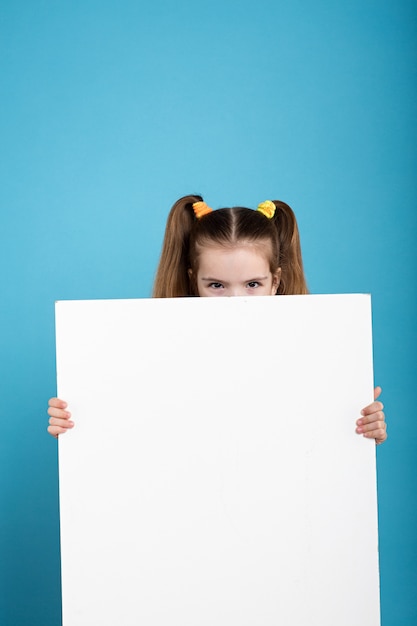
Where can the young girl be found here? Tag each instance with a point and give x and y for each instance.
(231, 252)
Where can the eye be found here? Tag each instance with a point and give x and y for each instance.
(215, 285)
(253, 284)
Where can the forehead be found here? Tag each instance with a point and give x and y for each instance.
(246, 257)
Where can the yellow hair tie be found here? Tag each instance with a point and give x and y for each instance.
(200, 209)
(267, 208)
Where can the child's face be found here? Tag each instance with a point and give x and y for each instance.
(239, 271)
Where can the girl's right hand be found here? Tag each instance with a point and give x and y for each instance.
(59, 418)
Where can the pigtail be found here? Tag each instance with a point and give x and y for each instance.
(292, 281)
(172, 280)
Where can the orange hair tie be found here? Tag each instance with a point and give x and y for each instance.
(200, 209)
(268, 208)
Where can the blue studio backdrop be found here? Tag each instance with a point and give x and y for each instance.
(110, 111)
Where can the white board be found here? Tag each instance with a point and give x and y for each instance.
(214, 475)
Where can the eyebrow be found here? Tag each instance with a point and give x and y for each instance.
(248, 280)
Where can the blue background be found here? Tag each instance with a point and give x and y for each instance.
(110, 111)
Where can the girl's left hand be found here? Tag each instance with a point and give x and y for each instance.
(372, 423)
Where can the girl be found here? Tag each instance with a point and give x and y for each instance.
(231, 252)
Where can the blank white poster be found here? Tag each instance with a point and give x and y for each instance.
(214, 475)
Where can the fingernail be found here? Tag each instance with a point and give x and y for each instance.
(359, 430)
(362, 412)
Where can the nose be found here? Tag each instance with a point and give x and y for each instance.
(237, 291)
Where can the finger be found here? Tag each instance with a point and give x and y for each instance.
(377, 392)
(379, 435)
(57, 403)
(375, 407)
(381, 439)
(53, 412)
(61, 423)
(374, 424)
(56, 430)
(378, 416)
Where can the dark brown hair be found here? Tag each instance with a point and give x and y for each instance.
(185, 235)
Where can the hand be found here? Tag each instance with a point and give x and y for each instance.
(59, 420)
(372, 423)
